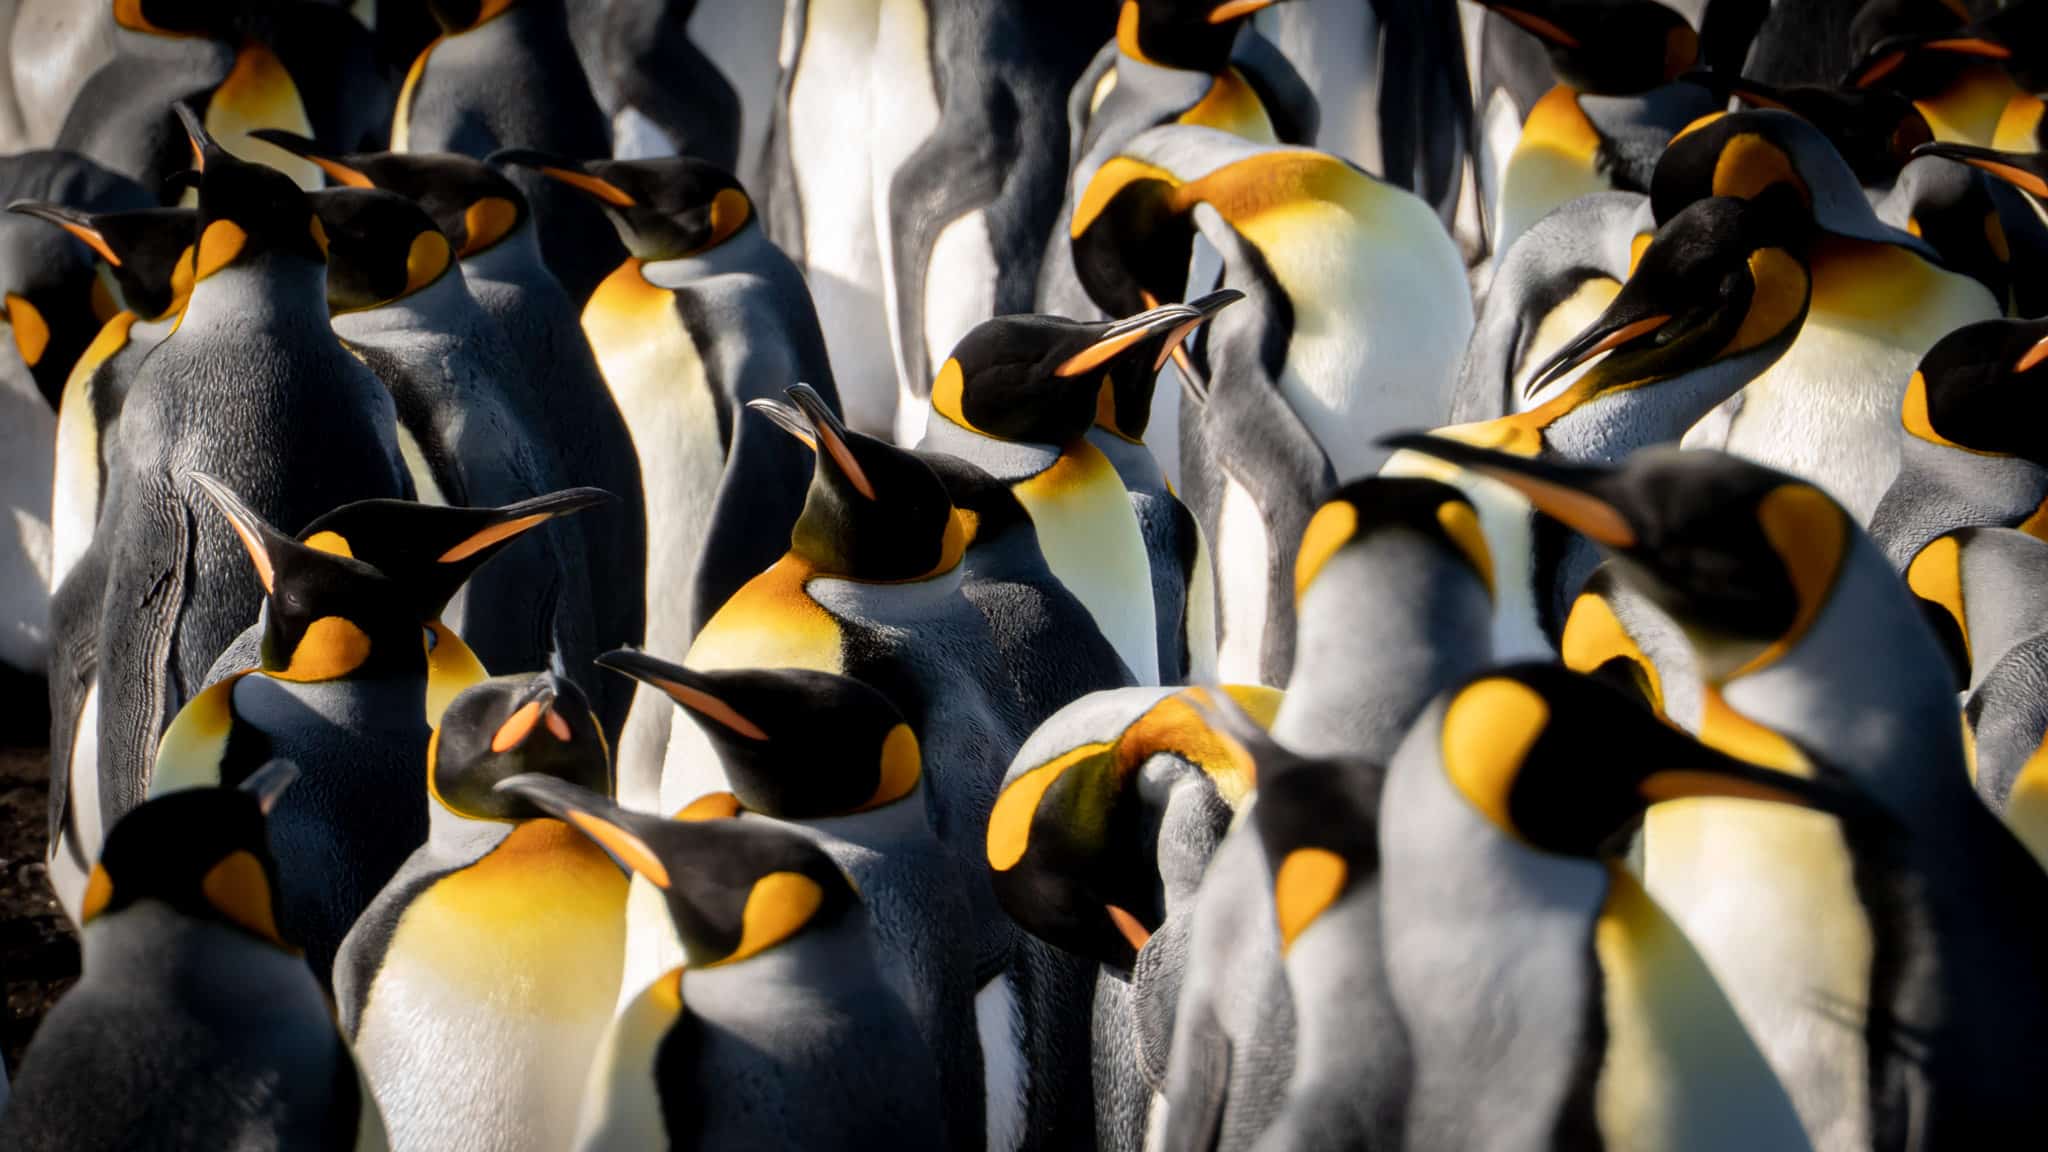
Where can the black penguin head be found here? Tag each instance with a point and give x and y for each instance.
(1983, 388)
(430, 550)
(1531, 747)
(664, 209)
(380, 247)
(2026, 171)
(1724, 277)
(1318, 821)
(1194, 35)
(1362, 509)
(247, 210)
(457, 16)
(1073, 842)
(472, 203)
(735, 888)
(149, 251)
(326, 615)
(874, 512)
(509, 726)
(1607, 47)
(1133, 235)
(1124, 405)
(203, 851)
(1914, 47)
(1742, 556)
(795, 744)
(1875, 130)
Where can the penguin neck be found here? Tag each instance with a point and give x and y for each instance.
(442, 309)
(1611, 426)
(269, 291)
(1135, 464)
(900, 822)
(515, 258)
(790, 975)
(1941, 489)
(1011, 461)
(455, 837)
(149, 943)
(742, 251)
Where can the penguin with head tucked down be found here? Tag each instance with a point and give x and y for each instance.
(832, 757)
(1108, 817)
(1817, 662)
(194, 1021)
(2019, 191)
(300, 65)
(473, 438)
(477, 986)
(1925, 51)
(1968, 457)
(782, 1007)
(503, 74)
(665, 93)
(253, 389)
(1875, 130)
(486, 219)
(1357, 684)
(1505, 807)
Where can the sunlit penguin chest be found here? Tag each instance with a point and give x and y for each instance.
(772, 622)
(1555, 161)
(1095, 547)
(1971, 110)
(1829, 409)
(259, 93)
(1232, 105)
(623, 1110)
(501, 976)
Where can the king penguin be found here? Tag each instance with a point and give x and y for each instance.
(477, 986)
(1924, 50)
(253, 389)
(503, 74)
(1359, 680)
(781, 1009)
(833, 758)
(1547, 999)
(1835, 939)
(472, 435)
(193, 1022)
(666, 94)
(487, 219)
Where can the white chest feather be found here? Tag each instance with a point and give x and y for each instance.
(1093, 544)
(67, 876)
(1243, 579)
(1002, 1062)
(621, 1101)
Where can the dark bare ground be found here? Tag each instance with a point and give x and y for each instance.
(38, 952)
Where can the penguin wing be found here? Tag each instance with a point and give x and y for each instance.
(1196, 1084)
(74, 661)
(362, 950)
(961, 167)
(669, 80)
(1425, 108)
(1290, 103)
(782, 209)
(148, 592)
(1081, 102)
(760, 495)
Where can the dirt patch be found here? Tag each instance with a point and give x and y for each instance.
(38, 952)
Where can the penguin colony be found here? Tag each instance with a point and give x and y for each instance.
(1184, 575)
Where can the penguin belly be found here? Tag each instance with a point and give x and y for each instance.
(1094, 546)
(1555, 161)
(493, 994)
(655, 371)
(621, 1097)
(960, 292)
(903, 116)
(1244, 584)
(830, 127)
(1828, 410)
(78, 842)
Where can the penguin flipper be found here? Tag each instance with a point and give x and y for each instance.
(1290, 103)
(760, 496)
(675, 85)
(1197, 1086)
(74, 661)
(1425, 108)
(147, 593)
(1081, 104)
(782, 209)
(955, 171)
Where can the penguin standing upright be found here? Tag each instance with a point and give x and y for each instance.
(702, 317)
(503, 74)
(665, 93)
(193, 1022)
(832, 757)
(476, 987)
(1500, 810)
(254, 389)
(486, 218)
(402, 306)
(781, 1010)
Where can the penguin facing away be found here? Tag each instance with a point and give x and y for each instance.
(475, 989)
(193, 1020)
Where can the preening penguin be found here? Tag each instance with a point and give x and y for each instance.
(782, 1008)
(832, 757)
(477, 986)
(1924, 50)
(194, 1021)
(1503, 810)
(486, 219)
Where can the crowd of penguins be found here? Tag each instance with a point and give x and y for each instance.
(1186, 575)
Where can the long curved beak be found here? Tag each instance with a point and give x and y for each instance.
(309, 151)
(1604, 335)
(611, 826)
(71, 220)
(831, 436)
(257, 536)
(564, 171)
(2025, 171)
(1568, 493)
(687, 687)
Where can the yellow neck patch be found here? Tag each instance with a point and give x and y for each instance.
(780, 904)
(486, 222)
(331, 648)
(31, 331)
(1487, 733)
(1307, 883)
(238, 889)
(901, 766)
(218, 246)
(426, 260)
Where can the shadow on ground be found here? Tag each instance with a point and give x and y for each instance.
(38, 952)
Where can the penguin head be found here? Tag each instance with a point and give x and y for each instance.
(459, 16)
(149, 251)
(1531, 747)
(1363, 509)
(1193, 35)
(474, 205)
(1132, 236)
(380, 247)
(2026, 171)
(1607, 47)
(246, 210)
(663, 209)
(1915, 47)
(1724, 277)
(1124, 405)
(874, 512)
(734, 888)
(1983, 388)
(1318, 821)
(204, 852)
(178, 19)
(1740, 555)
(431, 550)
(795, 744)
(1074, 839)
(1875, 130)
(536, 723)
(326, 614)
